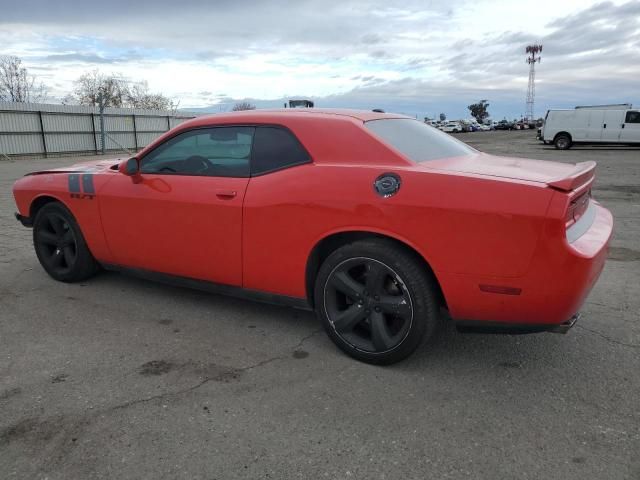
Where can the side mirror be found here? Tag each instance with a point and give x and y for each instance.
(129, 167)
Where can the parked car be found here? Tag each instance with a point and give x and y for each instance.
(452, 127)
(376, 221)
(484, 128)
(504, 125)
(603, 125)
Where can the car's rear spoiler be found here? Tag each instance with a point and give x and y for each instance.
(581, 174)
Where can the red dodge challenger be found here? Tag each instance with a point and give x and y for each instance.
(376, 221)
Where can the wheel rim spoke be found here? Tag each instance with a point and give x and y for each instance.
(343, 282)
(349, 318)
(69, 255)
(56, 224)
(376, 273)
(67, 238)
(47, 238)
(380, 336)
(395, 305)
(56, 258)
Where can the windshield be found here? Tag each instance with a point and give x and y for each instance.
(416, 140)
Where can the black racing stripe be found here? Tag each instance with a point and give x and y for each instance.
(87, 184)
(74, 183)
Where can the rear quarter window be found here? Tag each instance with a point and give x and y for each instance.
(416, 140)
(275, 148)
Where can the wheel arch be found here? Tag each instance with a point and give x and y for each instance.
(40, 201)
(562, 133)
(329, 243)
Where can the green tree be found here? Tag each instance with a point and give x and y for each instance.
(479, 110)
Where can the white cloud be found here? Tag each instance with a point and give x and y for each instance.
(421, 58)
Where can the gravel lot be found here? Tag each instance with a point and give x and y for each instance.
(121, 378)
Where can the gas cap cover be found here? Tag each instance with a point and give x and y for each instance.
(387, 185)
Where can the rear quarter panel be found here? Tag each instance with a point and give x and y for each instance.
(461, 224)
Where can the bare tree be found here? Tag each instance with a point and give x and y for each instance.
(112, 90)
(243, 106)
(16, 85)
(96, 88)
(138, 96)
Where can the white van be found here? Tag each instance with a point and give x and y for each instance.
(599, 124)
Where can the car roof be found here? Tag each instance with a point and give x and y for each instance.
(276, 115)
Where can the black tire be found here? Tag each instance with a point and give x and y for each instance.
(60, 246)
(562, 141)
(383, 296)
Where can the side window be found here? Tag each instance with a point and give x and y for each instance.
(214, 152)
(276, 148)
(632, 117)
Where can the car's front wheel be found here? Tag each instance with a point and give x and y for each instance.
(377, 301)
(60, 246)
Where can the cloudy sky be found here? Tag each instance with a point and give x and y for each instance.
(420, 57)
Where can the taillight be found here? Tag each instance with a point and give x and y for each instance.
(577, 207)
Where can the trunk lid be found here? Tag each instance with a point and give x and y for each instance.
(561, 176)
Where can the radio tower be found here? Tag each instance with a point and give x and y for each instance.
(533, 57)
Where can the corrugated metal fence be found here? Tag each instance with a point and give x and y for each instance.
(49, 130)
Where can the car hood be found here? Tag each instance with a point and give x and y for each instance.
(564, 176)
(82, 167)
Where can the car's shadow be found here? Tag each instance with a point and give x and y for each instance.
(446, 349)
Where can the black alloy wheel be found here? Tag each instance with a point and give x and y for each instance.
(60, 246)
(56, 243)
(377, 300)
(368, 305)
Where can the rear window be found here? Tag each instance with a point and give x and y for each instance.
(416, 140)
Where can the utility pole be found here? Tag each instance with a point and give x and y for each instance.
(533, 57)
(101, 109)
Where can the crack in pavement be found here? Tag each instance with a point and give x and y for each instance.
(609, 339)
(213, 377)
(67, 432)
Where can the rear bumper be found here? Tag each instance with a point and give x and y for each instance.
(474, 326)
(548, 296)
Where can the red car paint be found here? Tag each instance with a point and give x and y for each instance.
(492, 229)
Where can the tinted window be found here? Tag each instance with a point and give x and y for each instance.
(275, 148)
(217, 152)
(416, 140)
(632, 117)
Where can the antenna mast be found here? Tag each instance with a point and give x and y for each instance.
(533, 57)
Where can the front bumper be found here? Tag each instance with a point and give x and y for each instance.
(26, 221)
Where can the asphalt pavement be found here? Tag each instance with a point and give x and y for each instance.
(123, 378)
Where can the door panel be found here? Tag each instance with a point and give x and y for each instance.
(182, 214)
(631, 131)
(594, 130)
(182, 225)
(611, 125)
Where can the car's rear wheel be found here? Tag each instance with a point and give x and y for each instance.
(377, 301)
(563, 142)
(60, 246)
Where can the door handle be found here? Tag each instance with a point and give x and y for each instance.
(623, 125)
(604, 126)
(226, 193)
